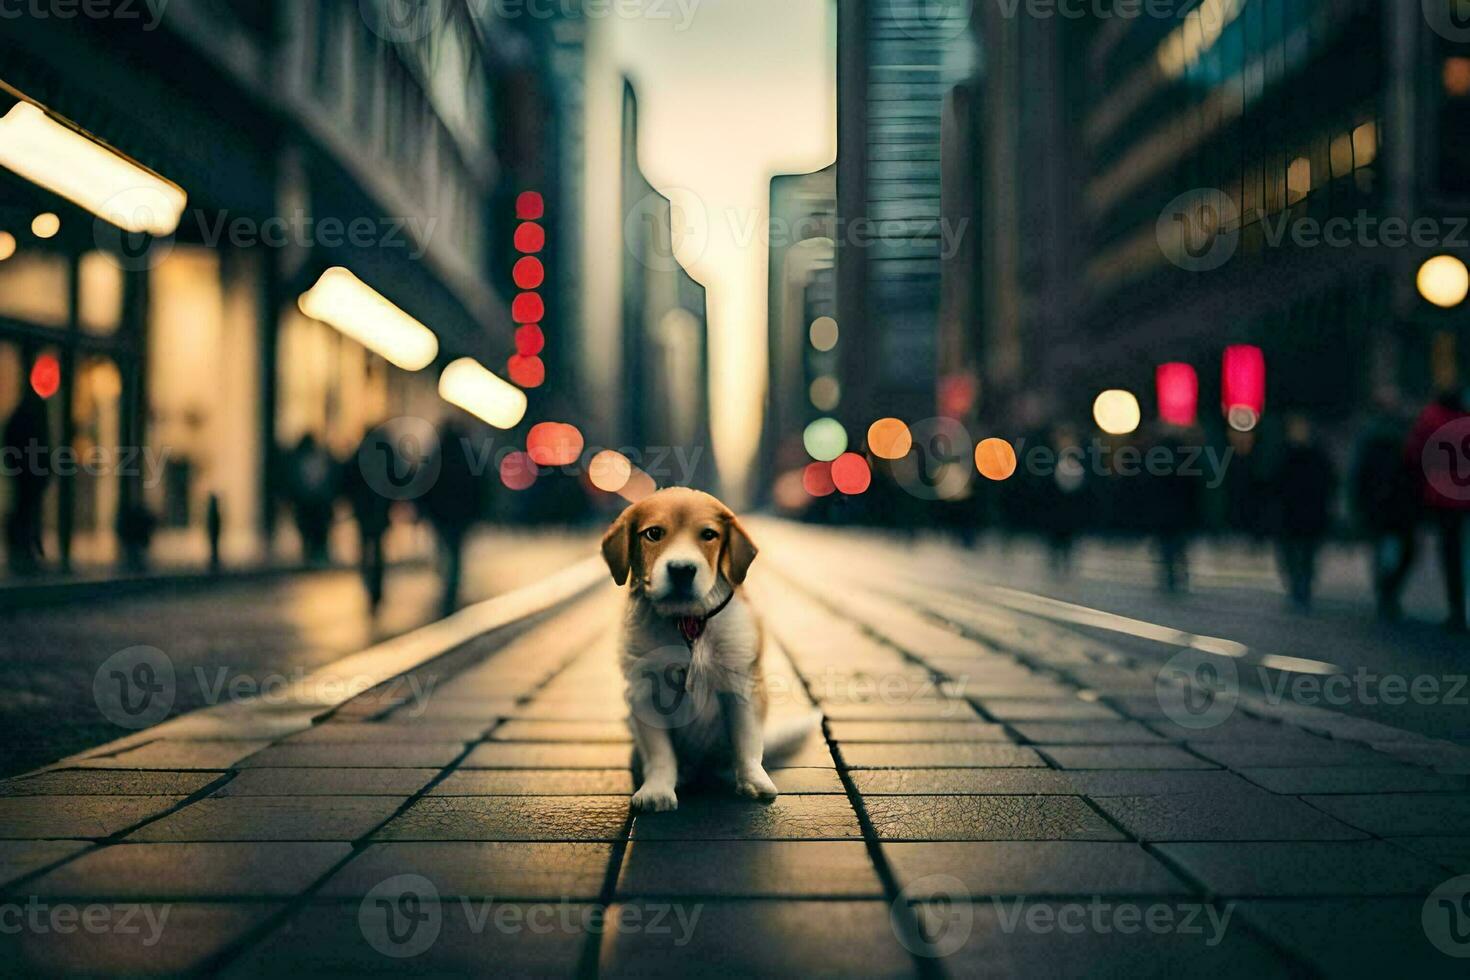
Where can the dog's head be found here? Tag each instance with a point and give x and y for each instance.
(678, 545)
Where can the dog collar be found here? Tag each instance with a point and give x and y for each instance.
(692, 627)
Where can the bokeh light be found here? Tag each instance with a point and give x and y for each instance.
(530, 341)
(824, 333)
(527, 308)
(995, 459)
(890, 439)
(825, 439)
(7, 245)
(1444, 281)
(1116, 412)
(789, 492)
(554, 443)
(639, 486)
(530, 237)
(816, 479)
(609, 471)
(528, 372)
(518, 471)
(46, 225)
(46, 375)
(468, 384)
(530, 206)
(528, 273)
(850, 474)
(825, 393)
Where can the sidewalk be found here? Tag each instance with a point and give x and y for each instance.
(990, 797)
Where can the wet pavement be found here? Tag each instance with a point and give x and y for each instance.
(993, 792)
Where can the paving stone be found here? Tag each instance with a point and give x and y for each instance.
(1035, 938)
(1065, 709)
(936, 709)
(1448, 852)
(307, 781)
(806, 779)
(38, 817)
(545, 709)
(924, 818)
(1299, 869)
(496, 755)
(530, 818)
(417, 755)
(1053, 868)
(916, 731)
(1087, 733)
(711, 817)
(151, 939)
(748, 869)
(907, 755)
(177, 754)
(1222, 816)
(1247, 755)
(1123, 757)
(1354, 937)
(22, 857)
(247, 818)
(1143, 707)
(813, 753)
(379, 733)
(755, 939)
(1401, 814)
(1155, 782)
(503, 870)
(453, 939)
(1343, 779)
(1236, 728)
(964, 782)
(535, 782)
(522, 730)
(108, 782)
(193, 871)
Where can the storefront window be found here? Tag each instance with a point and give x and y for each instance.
(102, 294)
(33, 288)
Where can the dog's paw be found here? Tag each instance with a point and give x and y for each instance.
(755, 785)
(655, 799)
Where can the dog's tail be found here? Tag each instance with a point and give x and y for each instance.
(785, 735)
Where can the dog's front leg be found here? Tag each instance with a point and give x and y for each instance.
(747, 745)
(660, 768)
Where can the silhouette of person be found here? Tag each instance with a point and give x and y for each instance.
(311, 475)
(371, 511)
(27, 460)
(1442, 472)
(1385, 499)
(1304, 486)
(1174, 512)
(452, 505)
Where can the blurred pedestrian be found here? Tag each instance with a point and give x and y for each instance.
(370, 509)
(452, 505)
(1303, 495)
(214, 526)
(311, 487)
(1386, 503)
(27, 460)
(1065, 512)
(1174, 498)
(1444, 489)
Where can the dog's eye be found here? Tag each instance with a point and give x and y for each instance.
(653, 533)
(709, 534)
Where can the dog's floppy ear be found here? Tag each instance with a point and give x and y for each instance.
(617, 546)
(740, 551)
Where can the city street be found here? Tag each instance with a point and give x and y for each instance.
(999, 788)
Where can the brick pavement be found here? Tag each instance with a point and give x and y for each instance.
(990, 795)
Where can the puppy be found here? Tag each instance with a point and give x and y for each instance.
(691, 645)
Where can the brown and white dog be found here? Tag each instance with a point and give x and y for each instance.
(691, 646)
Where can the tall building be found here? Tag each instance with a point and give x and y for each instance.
(1272, 172)
(307, 136)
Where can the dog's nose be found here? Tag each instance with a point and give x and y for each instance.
(681, 575)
